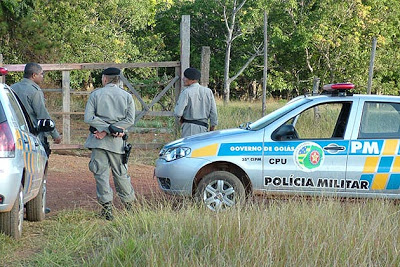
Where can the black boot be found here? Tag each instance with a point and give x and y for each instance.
(128, 205)
(106, 211)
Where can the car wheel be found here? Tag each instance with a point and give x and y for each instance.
(35, 208)
(220, 190)
(11, 222)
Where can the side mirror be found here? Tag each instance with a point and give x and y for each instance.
(45, 125)
(285, 132)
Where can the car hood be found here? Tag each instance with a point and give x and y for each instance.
(215, 136)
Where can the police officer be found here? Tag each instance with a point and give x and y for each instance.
(109, 108)
(31, 96)
(196, 105)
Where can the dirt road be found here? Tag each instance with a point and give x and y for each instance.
(70, 184)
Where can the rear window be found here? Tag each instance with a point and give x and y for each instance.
(16, 110)
(380, 120)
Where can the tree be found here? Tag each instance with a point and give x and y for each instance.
(232, 44)
(332, 40)
(234, 31)
(22, 37)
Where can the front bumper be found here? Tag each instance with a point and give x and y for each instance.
(176, 177)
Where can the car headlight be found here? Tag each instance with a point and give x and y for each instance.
(173, 153)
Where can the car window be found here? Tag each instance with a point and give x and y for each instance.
(266, 120)
(380, 120)
(16, 110)
(324, 121)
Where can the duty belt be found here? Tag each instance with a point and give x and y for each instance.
(201, 123)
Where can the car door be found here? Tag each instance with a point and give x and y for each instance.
(30, 144)
(308, 152)
(374, 156)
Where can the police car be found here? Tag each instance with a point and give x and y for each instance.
(333, 144)
(23, 163)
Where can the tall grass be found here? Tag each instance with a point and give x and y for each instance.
(301, 232)
(236, 113)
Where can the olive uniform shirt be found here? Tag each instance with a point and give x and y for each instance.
(196, 102)
(109, 105)
(32, 98)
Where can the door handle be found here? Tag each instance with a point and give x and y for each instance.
(334, 148)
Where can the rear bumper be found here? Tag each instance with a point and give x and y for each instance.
(10, 182)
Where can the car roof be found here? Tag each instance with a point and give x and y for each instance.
(364, 97)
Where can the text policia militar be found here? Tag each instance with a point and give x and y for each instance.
(292, 181)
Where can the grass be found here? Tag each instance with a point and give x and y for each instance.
(294, 232)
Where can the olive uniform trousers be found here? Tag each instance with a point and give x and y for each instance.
(100, 163)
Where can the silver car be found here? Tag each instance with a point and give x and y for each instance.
(334, 144)
(23, 163)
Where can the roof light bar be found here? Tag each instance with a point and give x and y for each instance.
(338, 86)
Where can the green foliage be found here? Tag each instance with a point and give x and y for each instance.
(328, 39)
(332, 40)
(208, 29)
(76, 31)
(99, 31)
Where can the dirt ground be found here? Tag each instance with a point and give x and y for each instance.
(71, 185)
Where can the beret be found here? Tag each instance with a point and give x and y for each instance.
(111, 71)
(192, 74)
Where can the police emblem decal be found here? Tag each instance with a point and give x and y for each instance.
(308, 156)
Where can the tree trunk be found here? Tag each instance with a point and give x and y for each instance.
(227, 82)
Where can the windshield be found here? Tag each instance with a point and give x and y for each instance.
(271, 117)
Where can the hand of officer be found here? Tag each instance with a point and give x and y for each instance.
(116, 131)
(100, 135)
(57, 140)
(118, 134)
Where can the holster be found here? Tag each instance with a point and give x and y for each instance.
(46, 146)
(127, 150)
(125, 156)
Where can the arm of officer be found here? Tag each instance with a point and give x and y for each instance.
(213, 114)
(129, 119)
(181, 104)
(41, 112)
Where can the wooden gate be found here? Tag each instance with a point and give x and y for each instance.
(146, 109)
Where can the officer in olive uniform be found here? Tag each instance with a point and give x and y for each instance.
(31, 96)
(196, 105)
(109, 106)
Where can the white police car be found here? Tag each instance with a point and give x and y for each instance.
(23, 163)
(335, 144)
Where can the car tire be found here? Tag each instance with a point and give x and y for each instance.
(11, 222)
(220, 190)
(36, 207)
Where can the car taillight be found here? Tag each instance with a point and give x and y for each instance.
(7, 144)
